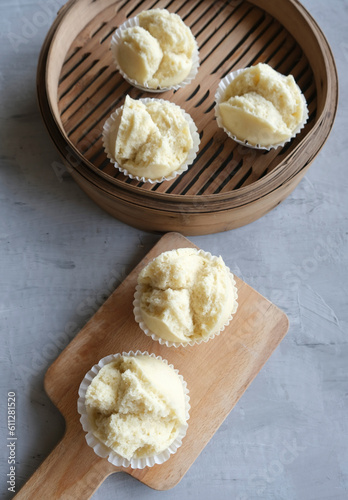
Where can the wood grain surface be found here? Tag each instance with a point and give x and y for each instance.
(217, 373)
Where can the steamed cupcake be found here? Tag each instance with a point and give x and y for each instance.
(150, 139)
(156, 50)
(135, 408)
(260, 107)
(184, 297)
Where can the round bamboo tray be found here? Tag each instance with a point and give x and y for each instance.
(228, 185)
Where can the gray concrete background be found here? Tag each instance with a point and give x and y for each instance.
(287, 437)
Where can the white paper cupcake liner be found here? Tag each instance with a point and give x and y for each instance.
(220, 93)
(104, 451)
(139, 319)
(112, 123)
(116, 40)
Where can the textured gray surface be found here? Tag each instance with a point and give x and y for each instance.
(60, 256)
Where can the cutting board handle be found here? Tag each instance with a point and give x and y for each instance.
(69, 472)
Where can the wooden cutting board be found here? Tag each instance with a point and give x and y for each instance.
(217, 373)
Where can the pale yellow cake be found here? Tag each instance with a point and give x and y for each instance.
(136, 406)
(153, 139)
(158, 52)
(186, 295)
(262, 106)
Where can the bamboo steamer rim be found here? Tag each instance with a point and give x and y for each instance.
(326, 107)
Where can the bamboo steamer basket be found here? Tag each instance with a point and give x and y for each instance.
(228, 185)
